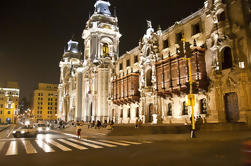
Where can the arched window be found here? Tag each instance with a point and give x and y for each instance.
(169, 109)
(105, 50)
(203, 106)
(129, 113)
(184, 109)
(227, 58)
(149, 78)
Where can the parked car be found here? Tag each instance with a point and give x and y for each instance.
(25, 131)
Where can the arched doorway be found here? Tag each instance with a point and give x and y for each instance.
(151, 111)
(226, 58)
(137, 112)
(149, 77)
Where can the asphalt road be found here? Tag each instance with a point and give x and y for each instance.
(58, 149)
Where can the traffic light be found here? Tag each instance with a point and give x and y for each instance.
(181, 49)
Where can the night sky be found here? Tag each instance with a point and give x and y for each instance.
(33, 33)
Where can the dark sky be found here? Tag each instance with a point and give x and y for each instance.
(33, 33)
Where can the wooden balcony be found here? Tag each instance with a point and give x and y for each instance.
(125, 89)
(173, 73)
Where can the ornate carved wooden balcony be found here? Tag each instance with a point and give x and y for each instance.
(125, 89)
(173, 73)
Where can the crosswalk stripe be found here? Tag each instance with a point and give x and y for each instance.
(72, 144)
(100, 143)
(46, 148)
(116, 143)
(85, 143)
(1, 145)
(130, 142)
(29, 147)
(12, 149)
(58, 145)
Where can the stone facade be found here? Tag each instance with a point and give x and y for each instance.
(151, 82)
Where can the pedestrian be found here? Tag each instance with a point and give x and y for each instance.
(78, 131)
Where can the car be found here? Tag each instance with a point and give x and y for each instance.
(42, 127)
(25, 131)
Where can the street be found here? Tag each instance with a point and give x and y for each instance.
(59, 148)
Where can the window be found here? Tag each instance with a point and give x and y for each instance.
(179, 37)
(227, 58)
(196, 29)
(221, 16)
(149, 78)
(136, 59)
(39, 98)
(38, 94)
(1, 112)
(37, 112)
(121, 66)
(48, 112)
(105, 49)
(8, 112)
(128, 63)
(184, 109)
(40, 112)
(169, 109)
(165, 43)
(1, 105)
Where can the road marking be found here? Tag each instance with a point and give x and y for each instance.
(46, 148)
(99, 143)
(116, 143)
(72, 144)
(85, 143)
(29, 147)
(58, 145)
(1, 145)
(10, 131)
(130, 142)
(12, 149)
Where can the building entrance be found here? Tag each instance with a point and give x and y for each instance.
(231, 107)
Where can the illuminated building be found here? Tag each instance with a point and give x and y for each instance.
(151, 82)
(9, 98)
(45, 102)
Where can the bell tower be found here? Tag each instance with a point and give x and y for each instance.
(101, 39)
(101, 34)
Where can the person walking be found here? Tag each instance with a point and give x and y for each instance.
(78, 131)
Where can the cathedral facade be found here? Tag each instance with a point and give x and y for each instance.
(151, 82)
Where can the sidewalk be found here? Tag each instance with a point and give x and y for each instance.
(200, 136)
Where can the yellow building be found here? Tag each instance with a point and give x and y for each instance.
(45, 102)
(9, 98)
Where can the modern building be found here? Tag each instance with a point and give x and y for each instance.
(151, 82)
(45, 102)
(9, 98)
